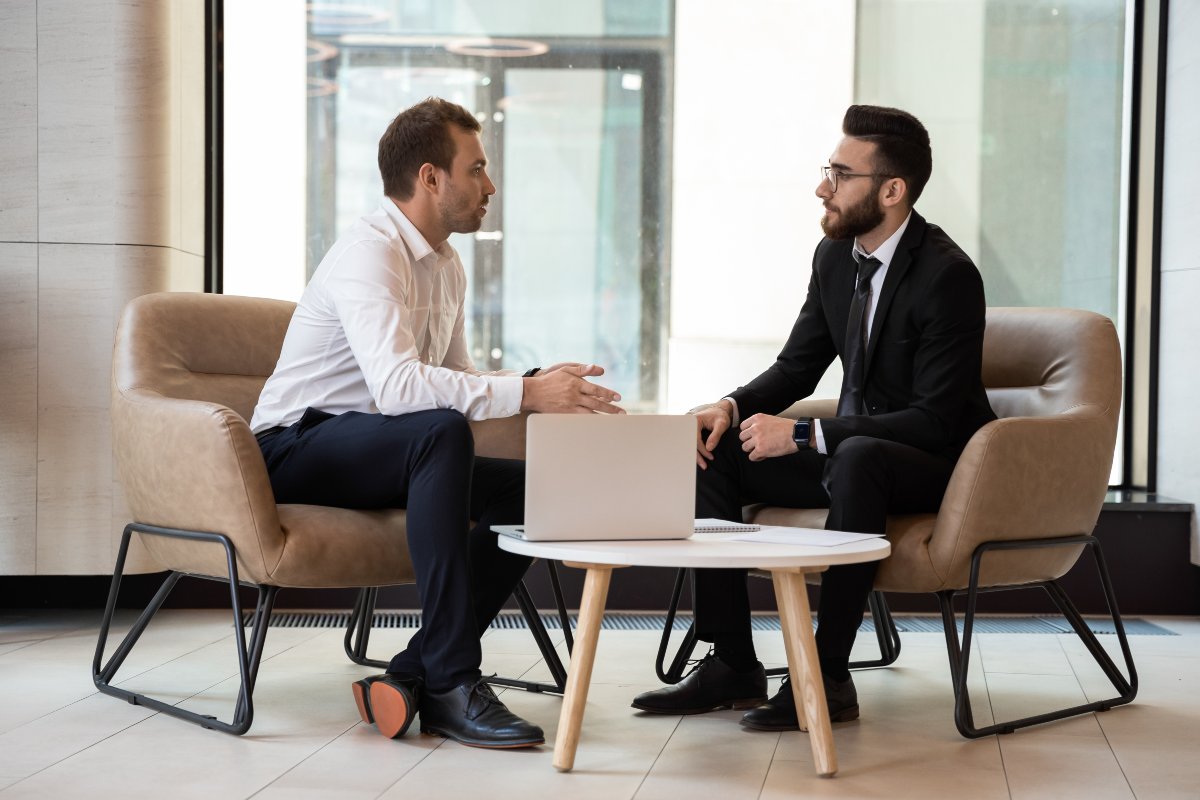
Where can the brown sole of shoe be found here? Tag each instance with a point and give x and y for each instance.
(361, 690)
(736, 705)
(393, 708)
(485, 745)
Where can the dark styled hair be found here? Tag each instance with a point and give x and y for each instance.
(420, 135)
(901, 144)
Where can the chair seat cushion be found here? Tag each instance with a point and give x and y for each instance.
(337, 547)
(907, 569)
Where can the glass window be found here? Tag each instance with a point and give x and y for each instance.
(574, 102)
(656, 160)
(1027, 105)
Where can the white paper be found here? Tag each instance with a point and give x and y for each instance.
(807, 536)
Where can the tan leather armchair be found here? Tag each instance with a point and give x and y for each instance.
(1022, 501)
(187, 372)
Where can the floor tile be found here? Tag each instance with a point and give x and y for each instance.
(60, 738)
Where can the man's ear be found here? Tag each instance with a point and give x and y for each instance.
(893, 192)
(428, 178)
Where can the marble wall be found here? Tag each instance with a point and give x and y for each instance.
(101, 200)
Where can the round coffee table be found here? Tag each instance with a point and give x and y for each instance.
(787, 563)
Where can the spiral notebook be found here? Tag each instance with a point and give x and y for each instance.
(724, 526)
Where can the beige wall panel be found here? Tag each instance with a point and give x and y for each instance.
(143, 124)
(75, 324)
(18, 409)
(190, 101)
(187, 272)
(75, 121)
(18, 123)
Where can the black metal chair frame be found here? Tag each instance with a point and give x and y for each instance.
(358, 634)
(960, 653)
(249, 656)
(886, 635)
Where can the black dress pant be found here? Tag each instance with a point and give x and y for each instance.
(860, 484)
(423, 462)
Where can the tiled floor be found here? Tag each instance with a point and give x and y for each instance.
(59, 738)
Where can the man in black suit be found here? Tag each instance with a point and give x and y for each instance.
(902, 306)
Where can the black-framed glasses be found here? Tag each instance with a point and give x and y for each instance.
(832, 175)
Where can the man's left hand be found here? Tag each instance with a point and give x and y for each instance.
(764, 436)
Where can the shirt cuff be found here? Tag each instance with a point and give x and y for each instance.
(507, 394)
(819, 436)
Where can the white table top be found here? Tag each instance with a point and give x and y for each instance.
(701, 550)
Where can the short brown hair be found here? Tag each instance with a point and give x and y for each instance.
(420, 135)
(901, 144)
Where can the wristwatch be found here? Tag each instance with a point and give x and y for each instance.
(802, 433)
(529, 373)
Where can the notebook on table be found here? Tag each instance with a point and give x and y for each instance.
(600, 476)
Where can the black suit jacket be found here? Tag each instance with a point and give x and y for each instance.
(922, 384)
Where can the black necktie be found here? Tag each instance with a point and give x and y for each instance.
(851, 401)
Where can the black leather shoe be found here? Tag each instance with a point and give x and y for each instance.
(779, 713)
(712, 684)
(471, 714)
(389, 701)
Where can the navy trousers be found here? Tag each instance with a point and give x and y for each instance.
(423, 462)
(864, 481)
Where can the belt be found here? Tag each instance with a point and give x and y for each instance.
(268, 432)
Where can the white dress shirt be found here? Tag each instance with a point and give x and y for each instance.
(380, 329)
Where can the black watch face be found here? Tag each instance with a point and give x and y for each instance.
(802, 432)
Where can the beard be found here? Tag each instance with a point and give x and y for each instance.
(460, 214)
(860, 218)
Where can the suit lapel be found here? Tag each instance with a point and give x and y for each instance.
(914, 234)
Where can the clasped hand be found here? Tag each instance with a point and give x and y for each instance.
(562, 389)
(762, 435)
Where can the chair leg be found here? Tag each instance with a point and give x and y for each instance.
(674, 673)
(248, 658)
(960, 655)
(534, 620)
(886, 634)
(358, 634)
(564, 619)
(358, 628)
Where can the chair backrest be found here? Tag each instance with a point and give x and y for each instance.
(211, 347)
(1053, 377)
(1043, 361)
(187, 372)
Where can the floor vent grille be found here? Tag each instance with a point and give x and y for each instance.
(629, 621)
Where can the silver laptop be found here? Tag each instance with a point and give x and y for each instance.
(601, 476)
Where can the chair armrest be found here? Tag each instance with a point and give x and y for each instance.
(1025, 478)
(503, 437)
(818, 409)
(195, 465)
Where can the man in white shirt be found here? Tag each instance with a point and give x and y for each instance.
(903, 307)
(368, 407)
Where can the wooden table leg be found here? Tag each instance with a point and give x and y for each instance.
(808, 690)
(579, 674)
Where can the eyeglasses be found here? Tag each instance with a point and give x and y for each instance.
(832, 175)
